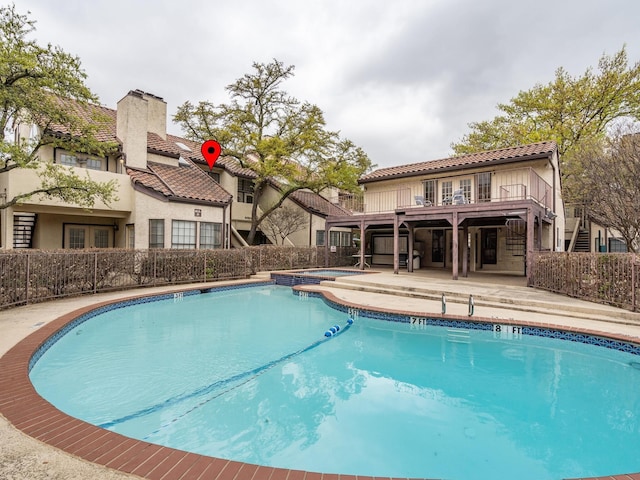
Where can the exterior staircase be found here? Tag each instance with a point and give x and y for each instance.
(516, 236)
(23, 225)
(582, 241)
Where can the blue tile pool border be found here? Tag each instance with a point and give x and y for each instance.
(485, 324)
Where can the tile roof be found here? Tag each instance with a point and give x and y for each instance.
(231, 164)
(186, 182)
(521, 152)
(317, 204)
(104, 118)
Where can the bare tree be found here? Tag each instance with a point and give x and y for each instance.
(608, 180)
(282, 222)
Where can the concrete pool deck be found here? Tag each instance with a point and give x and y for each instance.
(496, 297)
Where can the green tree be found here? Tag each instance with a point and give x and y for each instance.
(277, 137)
(44, 87)
(606, 178)
(567, 110)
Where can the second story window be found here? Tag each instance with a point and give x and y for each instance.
(66, 159)
(483, 186)
(92, 163)
(465, 187)
(430, 188)
(447, 192)
(245, 190)
(215, 176)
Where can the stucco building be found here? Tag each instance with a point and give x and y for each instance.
(167, 197)
(487, 211)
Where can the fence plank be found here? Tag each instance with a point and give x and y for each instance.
(602, 278)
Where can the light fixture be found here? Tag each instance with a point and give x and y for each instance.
(549, 214)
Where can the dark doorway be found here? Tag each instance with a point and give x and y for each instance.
(437, 246)
(489, 253)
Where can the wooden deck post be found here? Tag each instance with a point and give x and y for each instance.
(396, 243)
(410, 249)
(530, 244)
(454, 246)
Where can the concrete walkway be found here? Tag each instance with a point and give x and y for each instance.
(499, 297)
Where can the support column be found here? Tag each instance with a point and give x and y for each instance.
(410, 249)
(454, 247)
(530, 244)
(465, 251)
(326, 244)
(396, 243)
(362, 245)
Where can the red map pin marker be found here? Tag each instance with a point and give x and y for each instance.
(211, 151)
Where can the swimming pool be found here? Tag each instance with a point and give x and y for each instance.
(377, 372)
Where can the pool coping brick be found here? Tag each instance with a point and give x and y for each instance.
(21, 405)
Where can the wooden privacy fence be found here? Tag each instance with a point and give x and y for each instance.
(612, 279)
(31, 276)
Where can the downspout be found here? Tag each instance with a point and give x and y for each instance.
(230, 220)
(553, 195)
(310, 226)
(224, 226)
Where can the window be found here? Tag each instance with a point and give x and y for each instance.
(66, 159)
(101, 238)
(210, 235)
(334, 239)
(94, 163)
(430, 188)
(70, 160)
(447, 192)
(617, 245)
(345, 239)
(131, 236)
(87, 236)
(465, 186)
(483, 187)
(183, 234)
(156, 233)
(76, 237)
(215, 176)
(245, 190)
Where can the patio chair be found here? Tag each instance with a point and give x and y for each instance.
(421, 201)
(458, 198)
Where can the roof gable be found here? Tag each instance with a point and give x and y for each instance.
(317, 204)
(187, 183)
(503, 155)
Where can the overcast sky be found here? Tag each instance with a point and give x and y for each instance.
(401, 79)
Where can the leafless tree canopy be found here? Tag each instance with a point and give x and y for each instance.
(282, 222)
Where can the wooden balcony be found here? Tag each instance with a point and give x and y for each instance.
(506, 186)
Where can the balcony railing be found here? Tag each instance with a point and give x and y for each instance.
(506, 185)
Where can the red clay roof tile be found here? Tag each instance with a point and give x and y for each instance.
(183, 182)
(317, 204)
(461, 162)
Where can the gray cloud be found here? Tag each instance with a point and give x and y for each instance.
(401, 79)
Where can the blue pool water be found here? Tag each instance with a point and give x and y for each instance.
(248, 375)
